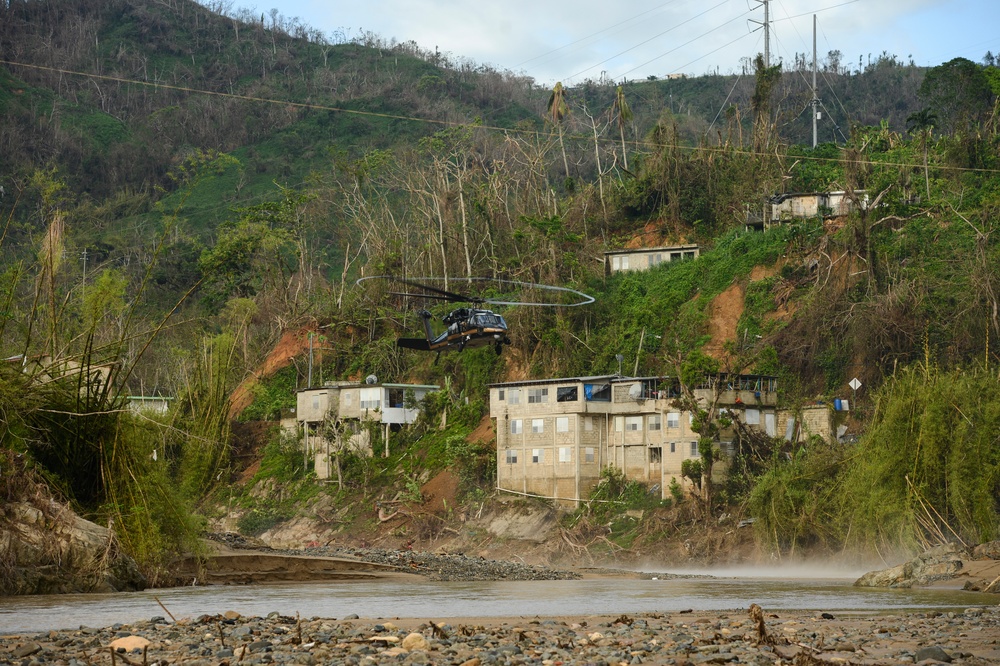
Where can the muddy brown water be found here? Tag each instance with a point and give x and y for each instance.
(443, 600)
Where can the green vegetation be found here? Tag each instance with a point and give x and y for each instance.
(175, 237)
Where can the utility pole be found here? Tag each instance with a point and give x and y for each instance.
(767, 34)
(766, 24)
(815, 100)
(83, 288)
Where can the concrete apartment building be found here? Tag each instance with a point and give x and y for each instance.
(554, 436)
(640, 259)
(356, 405)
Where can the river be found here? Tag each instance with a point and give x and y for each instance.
(441, 600)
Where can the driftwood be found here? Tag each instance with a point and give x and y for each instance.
(757, 617)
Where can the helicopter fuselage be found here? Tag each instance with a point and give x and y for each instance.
(465, 327)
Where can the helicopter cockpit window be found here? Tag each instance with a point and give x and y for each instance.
(487, 320)
(566, 394)
(597, 392)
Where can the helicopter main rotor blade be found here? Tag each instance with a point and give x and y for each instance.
(447, 295)
(431, 296)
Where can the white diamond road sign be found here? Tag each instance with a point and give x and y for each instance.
(854, 384)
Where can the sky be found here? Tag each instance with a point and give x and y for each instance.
(575, 40)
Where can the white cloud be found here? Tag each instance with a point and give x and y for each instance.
(557, 39)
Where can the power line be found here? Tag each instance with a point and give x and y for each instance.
(646, 41)
(595, 34)
(503, 130)
(694, 40)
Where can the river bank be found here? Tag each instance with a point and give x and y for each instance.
(969, 637)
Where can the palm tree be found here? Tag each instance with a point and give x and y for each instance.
(922, 122)
(623, 114)
(557, 111)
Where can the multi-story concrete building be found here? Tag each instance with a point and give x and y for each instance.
(353, 407)
(554, 436)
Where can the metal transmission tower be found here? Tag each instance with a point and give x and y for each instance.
(766, 23)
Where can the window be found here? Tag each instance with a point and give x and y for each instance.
(673, 447)
(516, 427)
(597, 392)
(619, 423)
(562, 424)
(566, 394)
(538, 395)
(371, 398)
(537, 426)
(616, 263)
(514, 396)
(694, 448)
(537, 456)
(655, 455)
(588, 423)
(654, 422)
(565, 454)
(673, 420)
(500, 395)
(511, 457)
(675, 256)
(348, 398)
(752, 416)
(633, 422)
(588, 454)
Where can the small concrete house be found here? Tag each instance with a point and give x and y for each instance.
(799, 205)
(554, 436)
(640, 259)
(149, 404)
(354, 405)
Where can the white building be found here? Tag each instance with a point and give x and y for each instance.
(640, 259)
(350, 408)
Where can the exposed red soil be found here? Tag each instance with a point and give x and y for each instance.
(723, 314)
(440, 493)
(292, 343)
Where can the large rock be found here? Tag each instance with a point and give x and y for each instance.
(939, 563)
(987, 551)
(47, 548)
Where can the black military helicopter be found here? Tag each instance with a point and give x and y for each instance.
(473, 326)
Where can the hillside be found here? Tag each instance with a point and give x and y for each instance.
(187, 192)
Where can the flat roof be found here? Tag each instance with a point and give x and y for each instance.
(635, 250)
(343, 385)
(612, 379)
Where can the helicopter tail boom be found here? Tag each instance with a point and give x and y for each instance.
(420, 344)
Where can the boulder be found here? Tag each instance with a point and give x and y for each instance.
(987, 551)
(942, 562)
(50, 549)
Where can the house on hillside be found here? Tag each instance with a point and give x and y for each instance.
(800, 205)
(149, 404)
(640, 259)
(93, 379)
(350, 408)
(554, 436)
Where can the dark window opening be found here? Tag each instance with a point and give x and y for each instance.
(566, 394)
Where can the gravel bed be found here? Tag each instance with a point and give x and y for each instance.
(687, 639)
(435, 566)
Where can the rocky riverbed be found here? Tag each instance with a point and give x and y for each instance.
(738, 637)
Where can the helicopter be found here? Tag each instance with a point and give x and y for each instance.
(473, 326)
